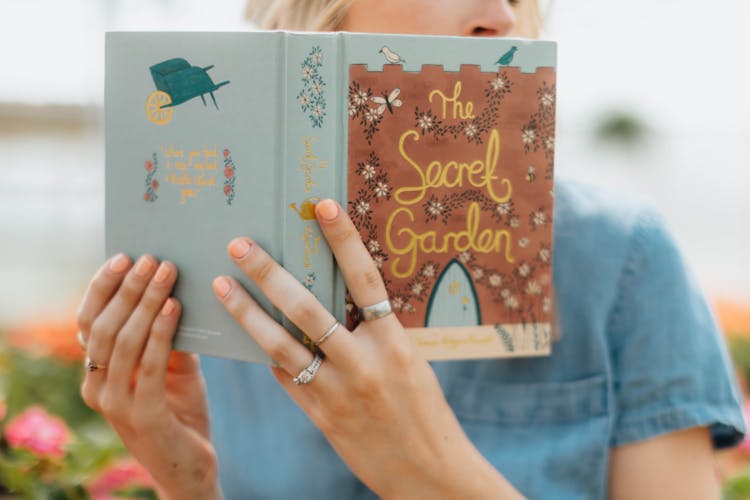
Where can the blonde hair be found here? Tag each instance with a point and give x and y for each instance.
(326, 15)
(297, 15)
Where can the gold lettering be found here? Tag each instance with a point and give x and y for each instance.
(471, 238)
(478, 174)
(457, 110)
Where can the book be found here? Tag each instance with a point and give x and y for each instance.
(440, 148)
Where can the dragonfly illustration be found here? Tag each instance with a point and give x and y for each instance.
(389, 101)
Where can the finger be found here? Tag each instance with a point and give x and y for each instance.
(152, 371)
(278, 343)
(108, 324)
(361, 275)
(300, 394)
(103, 286)
(132, 338)
(183, 362)
(289, 295)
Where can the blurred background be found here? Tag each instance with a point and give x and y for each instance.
(653, 101)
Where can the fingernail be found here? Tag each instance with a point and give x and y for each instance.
(144, 266)
(222, 286)
(168, 307)
(118, 263)
(327, 210)
(162, 273)
(239, 248)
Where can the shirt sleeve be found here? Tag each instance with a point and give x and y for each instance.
(670, 365)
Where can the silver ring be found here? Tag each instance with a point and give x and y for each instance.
(375, 311)
(328, 333)
(81, 341)
(308, 373)
(92, 366)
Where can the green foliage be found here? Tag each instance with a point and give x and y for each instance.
(620, 127)
(740, 349)
(49, 382)
(54, 385)
(738, 487)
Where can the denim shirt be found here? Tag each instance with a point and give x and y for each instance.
(638, 355)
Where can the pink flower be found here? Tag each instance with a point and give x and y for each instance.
(147, 197)
(228, 173)
(227, 189)
(39, 432)
(155, 184)
(122, 474)
(149, 165)
(226, 153)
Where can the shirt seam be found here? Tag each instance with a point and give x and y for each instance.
(671, 420)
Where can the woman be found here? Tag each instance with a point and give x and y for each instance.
(634, 396)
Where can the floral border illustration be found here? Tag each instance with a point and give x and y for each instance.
(230, 171)
(312, 96)
(151, 184)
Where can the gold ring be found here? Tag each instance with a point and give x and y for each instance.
(93, 366)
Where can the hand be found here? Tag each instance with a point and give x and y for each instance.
(155, 400)
(376, 401)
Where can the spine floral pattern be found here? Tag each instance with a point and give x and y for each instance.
(309, 281)
(312, 96)
(151, 184)
(230, 177)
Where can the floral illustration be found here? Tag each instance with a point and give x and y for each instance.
(506, 337)
(230, 177)
(539, 131)
(359, 108)
(151, 184)
(312, 96)
(501, 236)
(309, 281)
(473, 130)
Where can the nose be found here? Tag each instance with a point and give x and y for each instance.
(492, 18)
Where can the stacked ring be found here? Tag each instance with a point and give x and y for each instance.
(328, 333)
(308, 373)
(375, 311)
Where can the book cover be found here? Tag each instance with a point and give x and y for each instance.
(441, 148)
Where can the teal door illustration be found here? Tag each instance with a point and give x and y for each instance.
(453, 301)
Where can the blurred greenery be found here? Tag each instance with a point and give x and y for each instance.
(619, 127)
(29, 380)
(738, 488)
(26, 381)
(739, 347)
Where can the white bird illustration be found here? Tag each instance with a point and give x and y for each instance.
(391, 56)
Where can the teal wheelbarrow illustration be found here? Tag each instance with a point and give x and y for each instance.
(177, 82)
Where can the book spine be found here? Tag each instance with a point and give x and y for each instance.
(311, 159)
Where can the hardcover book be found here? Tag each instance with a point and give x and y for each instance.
(440, 148)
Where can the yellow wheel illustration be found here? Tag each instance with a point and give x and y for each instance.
(154, 111)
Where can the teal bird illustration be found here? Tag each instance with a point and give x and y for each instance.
(507, 58)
